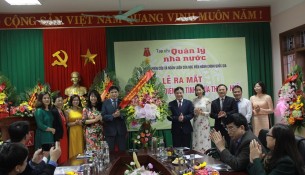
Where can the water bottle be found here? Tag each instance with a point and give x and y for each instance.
(154, 146)
(106, 154)
(87, 169)
(162, 151)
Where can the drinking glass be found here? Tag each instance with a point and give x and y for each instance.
(192, 159)
(154, 145)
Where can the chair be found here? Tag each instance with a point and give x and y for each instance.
(262, 137)
(300, 141)
(213, 153)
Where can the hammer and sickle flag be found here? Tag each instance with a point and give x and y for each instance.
(60, 61)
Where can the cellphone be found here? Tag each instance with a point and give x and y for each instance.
(47, 146)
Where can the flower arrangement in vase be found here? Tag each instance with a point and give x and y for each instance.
(290, 105)
(144, 135)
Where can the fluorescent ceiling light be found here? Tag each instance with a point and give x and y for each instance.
(23, 2)
(51, 22)
(186, 19)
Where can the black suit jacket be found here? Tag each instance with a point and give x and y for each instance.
(57, 124)
(40, 169)
(112, 126)
(229, 106)
(238, 157)
(187, 110)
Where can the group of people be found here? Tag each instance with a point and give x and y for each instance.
(237, 125)
(255, 110)
(15, 158)
(79, 128)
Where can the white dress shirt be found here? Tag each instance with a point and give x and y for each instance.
(245, 108)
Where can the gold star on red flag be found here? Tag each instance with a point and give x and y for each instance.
(89, 57)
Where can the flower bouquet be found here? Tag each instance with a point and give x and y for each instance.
(7, 96)
(134, 168)
(31, 95)
(144, 135)
(200, 169)
(23, 110)
(147, 97)
(102, 82)
(290, 105)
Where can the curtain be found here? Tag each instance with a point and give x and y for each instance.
(73, 42)
(21, 57)
(257, 38)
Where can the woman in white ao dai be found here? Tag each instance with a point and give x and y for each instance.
(201, 125)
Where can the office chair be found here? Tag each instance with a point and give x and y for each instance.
(301, 145)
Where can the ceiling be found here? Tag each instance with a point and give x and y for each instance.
(56, 6)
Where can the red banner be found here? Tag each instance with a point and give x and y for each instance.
(68, 50)
(105, 92)
(136, 89)
(161, 17)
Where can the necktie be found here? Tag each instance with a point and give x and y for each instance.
(180, 104)
(114, 104)
(236, 145)
(221, 104)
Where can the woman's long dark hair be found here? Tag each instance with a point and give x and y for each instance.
(285, 145)
(262, 85)
(201, 86)
(98, 104)
(39, 103)
(70, 104)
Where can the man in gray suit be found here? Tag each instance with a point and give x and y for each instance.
(114, 122)
(237, 155)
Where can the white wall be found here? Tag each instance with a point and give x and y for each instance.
(282, 22)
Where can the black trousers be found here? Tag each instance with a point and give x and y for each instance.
(181, 139)
(119, 140)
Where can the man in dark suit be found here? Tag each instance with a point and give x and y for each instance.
(237, 156)
(19, 133)
(221, 109)
(182, 112)
(114, 123)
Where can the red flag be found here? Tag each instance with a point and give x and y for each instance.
(62, 55)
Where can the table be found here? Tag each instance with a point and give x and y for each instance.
(119, 160)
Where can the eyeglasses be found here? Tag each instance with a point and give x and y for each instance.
(269, 135)
(232, 128)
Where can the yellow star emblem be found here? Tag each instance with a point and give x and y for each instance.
(89, 57)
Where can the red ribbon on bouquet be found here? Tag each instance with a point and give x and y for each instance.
(136, 89)
(104, 93)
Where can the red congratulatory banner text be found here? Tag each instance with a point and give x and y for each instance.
(162, 17)
(134, 91)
